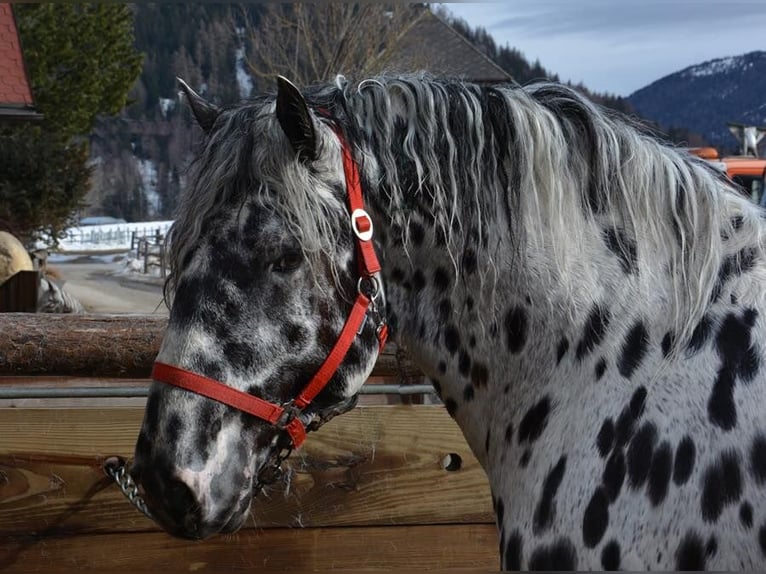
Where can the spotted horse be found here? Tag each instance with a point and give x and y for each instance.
(587, 301)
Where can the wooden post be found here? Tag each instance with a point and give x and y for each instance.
(19, 293)
(162, 260)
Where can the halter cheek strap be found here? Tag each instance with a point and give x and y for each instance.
(287, 417)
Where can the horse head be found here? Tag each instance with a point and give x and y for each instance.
(265, 275)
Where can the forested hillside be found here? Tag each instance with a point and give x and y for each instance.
(140, 157)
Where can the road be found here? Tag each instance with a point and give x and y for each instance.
(99, 291)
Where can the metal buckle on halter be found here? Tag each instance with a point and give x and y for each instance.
(356, 215)
(289, 413)
(369, 286)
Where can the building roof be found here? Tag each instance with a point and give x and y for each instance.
(431, 44)
(15, 94)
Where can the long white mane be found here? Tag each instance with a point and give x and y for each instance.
(540, 160)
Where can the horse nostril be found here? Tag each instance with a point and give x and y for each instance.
(180, 500)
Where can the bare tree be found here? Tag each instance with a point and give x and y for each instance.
(311, 42)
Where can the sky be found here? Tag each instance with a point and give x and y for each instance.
(620, 46)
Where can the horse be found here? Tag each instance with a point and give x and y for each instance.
(585, 299)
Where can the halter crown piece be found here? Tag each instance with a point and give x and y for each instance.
(286, 417)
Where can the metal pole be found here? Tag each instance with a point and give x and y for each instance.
(11, 392)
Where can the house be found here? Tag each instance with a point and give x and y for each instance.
(16, 102)
(431, 44)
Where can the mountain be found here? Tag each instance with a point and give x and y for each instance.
(703, 98)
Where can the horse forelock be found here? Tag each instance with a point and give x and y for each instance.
(247, 158)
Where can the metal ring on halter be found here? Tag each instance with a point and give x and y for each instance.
(374, 284)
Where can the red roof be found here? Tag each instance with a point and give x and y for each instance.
(14, 85)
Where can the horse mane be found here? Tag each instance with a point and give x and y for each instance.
(539, 160)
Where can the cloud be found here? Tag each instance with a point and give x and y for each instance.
(621, 45)
(623, 17)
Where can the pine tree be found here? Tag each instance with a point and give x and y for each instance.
(82, 63)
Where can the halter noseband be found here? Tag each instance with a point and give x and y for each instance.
(286, 417)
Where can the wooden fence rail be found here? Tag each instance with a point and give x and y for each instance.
(371, 490)
(106, 346)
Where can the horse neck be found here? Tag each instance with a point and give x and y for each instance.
(485, 313)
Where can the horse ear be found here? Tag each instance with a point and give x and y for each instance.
(295, 118)
(204, 112)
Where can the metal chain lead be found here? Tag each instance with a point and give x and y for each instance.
(270, 472)
(116, 468)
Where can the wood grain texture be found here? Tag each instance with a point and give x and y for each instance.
(372, 466)
(470, 547)
(105, 346)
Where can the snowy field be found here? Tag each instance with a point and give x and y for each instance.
(112, 237)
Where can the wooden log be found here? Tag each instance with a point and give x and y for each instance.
(104, 346)
(371, 466)
(465, 547)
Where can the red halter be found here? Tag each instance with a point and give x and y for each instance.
(286, 417)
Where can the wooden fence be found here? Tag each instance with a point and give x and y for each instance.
(151, 250)
(371, 490)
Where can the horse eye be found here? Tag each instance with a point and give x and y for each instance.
(288, 262)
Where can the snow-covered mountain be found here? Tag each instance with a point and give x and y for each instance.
(703, 98)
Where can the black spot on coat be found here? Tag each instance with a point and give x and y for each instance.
(640, 454)
(668, 341)
(417, 233)
(562, 349)
(623, 247)
(600, 368)
(690, 555)
(700, 335)
(516, 329)
(546, 507)
(469, 261)
(509, 433)
(451, 339)
(441, 279)
(512, 555)
(561, 555)
(464, 363)
(614, 475)
(721, 409)
(733, 265)
(610, 556)
(593, 332)
(734, 346)
(659, 473)
(444, 310)
(758, 459)
(684, 463)
(605, 438)
(721, 486)
(626, 422)
(535, 420)
(479, 375)
(746, 514)
(595, 519)
(633, 350)
(418, 281)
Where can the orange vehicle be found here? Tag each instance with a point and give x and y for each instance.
(746, 171)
